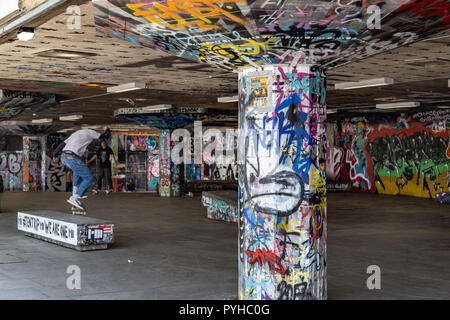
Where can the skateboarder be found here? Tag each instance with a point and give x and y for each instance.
(105, 156)
(73, 149)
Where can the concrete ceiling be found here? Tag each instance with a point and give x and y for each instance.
(420, 71)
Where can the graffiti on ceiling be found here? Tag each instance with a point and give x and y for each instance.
(169, 118)
(161, 121)
(241, 33)
(13, 103)
(175, 117)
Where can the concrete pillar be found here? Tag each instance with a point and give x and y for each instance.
(165, 172)
(171, 175)
(43, 162)
(32, 161)
(282, 194)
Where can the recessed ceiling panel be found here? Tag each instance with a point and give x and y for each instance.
(65, 54)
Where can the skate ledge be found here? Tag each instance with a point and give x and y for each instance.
(221, 205)
(76, 232)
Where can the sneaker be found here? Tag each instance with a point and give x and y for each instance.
(108, 191)
(94, 191)
(75, 202)
(74, 194)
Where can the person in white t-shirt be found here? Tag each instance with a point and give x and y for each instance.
(73, 149)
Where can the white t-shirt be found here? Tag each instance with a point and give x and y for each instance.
(79, 140)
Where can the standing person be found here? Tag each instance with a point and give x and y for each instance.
(105, 157)
(73, 149)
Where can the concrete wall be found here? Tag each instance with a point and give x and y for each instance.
(398, 154)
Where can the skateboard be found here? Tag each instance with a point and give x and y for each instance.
(78, 211)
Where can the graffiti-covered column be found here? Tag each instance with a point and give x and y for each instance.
(171, 174)
(282, 195)
(32, 161)
(44, 163)
(165, 172)
(176, 174)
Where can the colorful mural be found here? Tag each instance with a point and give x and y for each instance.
(153, 171)
(402, 154)
(243, 33)
(142, 143)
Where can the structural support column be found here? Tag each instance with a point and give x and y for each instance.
(32, 162)
(171, 174)
(164, 153)
(44, 163)
(282, 194)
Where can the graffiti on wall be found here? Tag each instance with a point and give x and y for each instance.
(406, 154)
(224, 172)
(153, 171)
(193, 172)
(282, 220)
(214, 168)
(11, 163)
(142, 143)
(443, 197)
(239, 33)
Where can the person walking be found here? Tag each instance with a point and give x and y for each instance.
(73, 149)
(105, 157)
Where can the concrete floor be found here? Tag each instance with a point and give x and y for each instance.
(178, 254)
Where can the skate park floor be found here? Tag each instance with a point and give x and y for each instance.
(166, 248)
